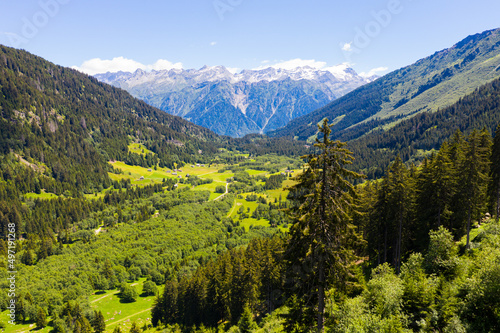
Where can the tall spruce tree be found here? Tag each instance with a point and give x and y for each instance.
(400, 204)
(495, 173)
(41, 318)
(434, 191)
(321, 236)
(392, 217)
(99, 323)
(474, 178)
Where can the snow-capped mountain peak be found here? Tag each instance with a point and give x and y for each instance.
(238, 103)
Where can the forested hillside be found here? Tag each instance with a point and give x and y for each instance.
(431, 83)
(413, 139)
(70, 125)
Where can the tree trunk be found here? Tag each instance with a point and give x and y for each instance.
(398, 250)
(439, 216)
(467, 245)
(498, 200)
(321, 295)
(385, 243)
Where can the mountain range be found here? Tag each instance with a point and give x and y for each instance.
(425, 86)
(236, 104)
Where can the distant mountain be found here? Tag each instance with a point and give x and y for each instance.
(252, 101)
(428, 85)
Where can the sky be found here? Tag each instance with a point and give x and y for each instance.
(372, 36)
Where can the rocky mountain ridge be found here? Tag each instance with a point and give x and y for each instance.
(236, 104)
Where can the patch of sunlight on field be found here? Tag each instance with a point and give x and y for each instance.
(247, 223)
(41, 196)
(139, 148)
(253, 172)
(134, 173)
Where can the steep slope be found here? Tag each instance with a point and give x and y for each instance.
(411, 138)
(252, 101)
(71, 125)
(429, 84)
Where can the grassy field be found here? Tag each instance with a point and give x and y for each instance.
(41, 196)
(275, 194)
(115, 312)
(248, 207)
(121, 314)
(134, 173)
(139, 148)
(19, 328)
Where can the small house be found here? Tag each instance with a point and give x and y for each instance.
(142, 178)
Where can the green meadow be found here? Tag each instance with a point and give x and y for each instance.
(118, 313)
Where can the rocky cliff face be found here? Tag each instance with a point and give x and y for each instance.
(235, 104)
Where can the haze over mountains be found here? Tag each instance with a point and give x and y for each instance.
(236, 104)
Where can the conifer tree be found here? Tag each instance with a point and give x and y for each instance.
(392, 216)
(495, 172)
(41, 318)
(99, 323)
(246, 324)
(473, 178)
(399, 201)
(321, 235)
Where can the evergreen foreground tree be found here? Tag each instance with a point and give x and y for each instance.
(99, 323)
(246, 324)
(320, 247)
(495, 173)
(41, 318)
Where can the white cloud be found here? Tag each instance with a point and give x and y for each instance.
(347, 47)
(294, 63)
(162, 64)
(373, 71)
(213, 43)
(97, 65)
(233, 70)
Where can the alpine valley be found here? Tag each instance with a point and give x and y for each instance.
(116, 216)
(235, 104)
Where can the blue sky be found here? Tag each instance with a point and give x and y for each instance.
(374, 36)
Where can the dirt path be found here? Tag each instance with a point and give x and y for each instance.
(125, 318)
(97, 231)
(116, 293)
(223, 194)
(234, 207)
(98, 299)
